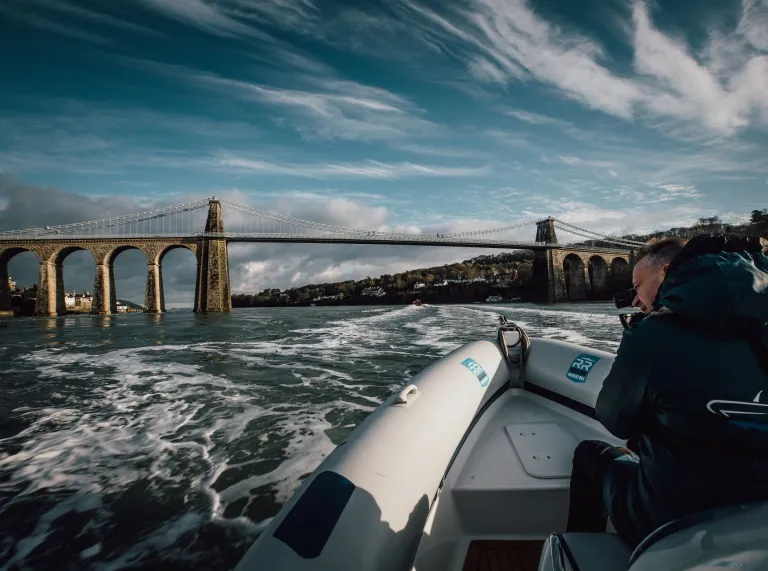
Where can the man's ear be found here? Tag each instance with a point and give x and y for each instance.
(664, 269)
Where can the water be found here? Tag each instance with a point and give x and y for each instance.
(146, 441)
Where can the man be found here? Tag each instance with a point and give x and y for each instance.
(690, 385)
(650, 271)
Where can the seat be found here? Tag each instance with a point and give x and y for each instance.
(584, 552)
(732, 536)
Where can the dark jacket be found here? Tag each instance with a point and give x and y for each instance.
(687, 384)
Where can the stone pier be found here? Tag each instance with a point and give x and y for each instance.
(45, 304)
(103, 287)
(212, 293)
(5, 290)
(153, 298)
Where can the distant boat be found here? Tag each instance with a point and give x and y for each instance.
(494, 299)
(417, 303)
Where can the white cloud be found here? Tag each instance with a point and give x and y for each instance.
(535, 118)
(328, 107)
(208, 17)
(484, 70)
(572, 160)
(366, 169)
(721, 96)
(674, 192)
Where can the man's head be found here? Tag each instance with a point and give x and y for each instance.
(651, 269)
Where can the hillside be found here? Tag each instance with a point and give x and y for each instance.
(462, 282)
(506, 274)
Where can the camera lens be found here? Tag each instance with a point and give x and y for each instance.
(624, 298)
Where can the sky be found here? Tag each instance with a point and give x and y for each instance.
(615, 115)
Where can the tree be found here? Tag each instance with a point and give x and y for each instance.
(759, 216)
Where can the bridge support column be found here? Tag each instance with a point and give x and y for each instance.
(153, 298)
(212, 292)
(5, 289)
(212, 286)
(104, 302)
(45, 304)
(61, 303)
(548, 278)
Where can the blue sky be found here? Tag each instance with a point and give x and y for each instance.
(619, 116)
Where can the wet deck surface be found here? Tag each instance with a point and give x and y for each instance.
(503, 555)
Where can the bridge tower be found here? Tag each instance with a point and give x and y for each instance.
(545, 231)
(212, 293)
(548, 277)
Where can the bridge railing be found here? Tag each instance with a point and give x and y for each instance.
(358, 237)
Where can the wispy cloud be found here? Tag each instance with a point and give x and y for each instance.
(572, 160)
(366, 169)
(674, 192)
(535, 118)
(209, 17)
(51, 25)
(328, 107)
(509, 41)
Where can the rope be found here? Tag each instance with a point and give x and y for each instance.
(523, 341)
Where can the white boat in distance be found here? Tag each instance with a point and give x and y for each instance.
(468, 468)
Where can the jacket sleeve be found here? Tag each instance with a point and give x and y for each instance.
(623, 397)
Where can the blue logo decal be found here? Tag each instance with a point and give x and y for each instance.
(581, 367)
(475, 368)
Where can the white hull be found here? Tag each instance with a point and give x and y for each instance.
(460, 458)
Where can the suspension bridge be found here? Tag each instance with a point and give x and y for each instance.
(563, 269)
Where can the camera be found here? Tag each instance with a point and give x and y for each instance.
(624, 298)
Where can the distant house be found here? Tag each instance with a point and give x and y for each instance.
(419, 285)
(374, 291)
(480, 279)
(122, 308)
(11, 284)
(79, 302)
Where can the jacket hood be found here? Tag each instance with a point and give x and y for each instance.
(726, 291)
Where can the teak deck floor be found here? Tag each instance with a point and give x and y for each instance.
(486, 555)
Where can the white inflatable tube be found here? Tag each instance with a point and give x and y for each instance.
(365, 506)
(569, 370)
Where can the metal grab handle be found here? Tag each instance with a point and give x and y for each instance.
(402, 398)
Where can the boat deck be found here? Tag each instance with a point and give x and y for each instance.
(489, 555)
(508, 488)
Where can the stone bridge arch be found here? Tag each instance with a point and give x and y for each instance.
(6, 255)
(565, 275)
(621, 273)
(575, 277)
(598, 271)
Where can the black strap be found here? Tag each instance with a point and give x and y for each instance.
(566, 550)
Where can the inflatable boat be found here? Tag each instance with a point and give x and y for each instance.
(468, 468)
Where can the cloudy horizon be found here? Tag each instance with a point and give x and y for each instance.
(417, 115)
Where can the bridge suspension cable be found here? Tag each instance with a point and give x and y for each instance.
(489, 231)
(294, 221)
(80, 228)
(584, 233)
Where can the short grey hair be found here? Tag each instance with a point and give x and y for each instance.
(661, 252)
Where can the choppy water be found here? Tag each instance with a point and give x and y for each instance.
(140, 441)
